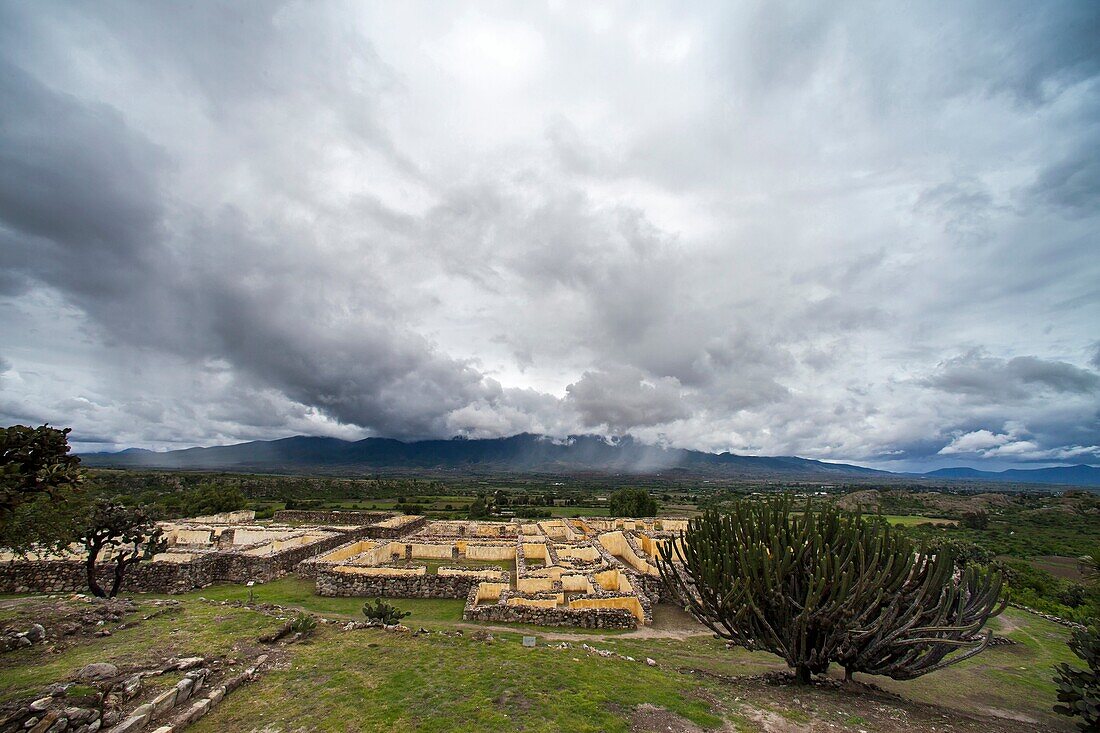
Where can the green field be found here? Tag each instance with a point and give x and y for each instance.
(371, 680)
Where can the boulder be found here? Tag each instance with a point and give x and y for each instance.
(98, 671)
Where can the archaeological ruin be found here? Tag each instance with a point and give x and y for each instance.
(594, 572)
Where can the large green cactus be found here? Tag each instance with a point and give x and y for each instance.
(827, 586)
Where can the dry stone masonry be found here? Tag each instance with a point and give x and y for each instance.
(229, 547)
(590, 573)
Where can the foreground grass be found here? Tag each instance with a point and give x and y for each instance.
(374, 681)
(370, 680)
(198, 629)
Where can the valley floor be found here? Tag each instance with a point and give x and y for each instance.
(466, 677)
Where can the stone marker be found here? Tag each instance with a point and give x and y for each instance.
(528, 641)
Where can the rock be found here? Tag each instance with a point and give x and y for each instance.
(164, 702)
(30, 722)
(40, 704)
(650, 662)
(183, 689)
(131, 686)
(187, 663)
(98, 671)
(37, 633)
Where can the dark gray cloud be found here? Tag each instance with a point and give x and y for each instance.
(848, 232)
(1020, 378)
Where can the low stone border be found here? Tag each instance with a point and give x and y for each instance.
(1048, 616)
(173, 700)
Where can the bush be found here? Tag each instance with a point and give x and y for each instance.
(303, 624)
(383, 613)
(1079, 689)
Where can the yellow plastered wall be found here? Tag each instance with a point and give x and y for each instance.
(630, 603)
(490, 591)
(533, 585)
(179, 557)
(576, 583)
(538, 602)
(431, 552)
(182, 536)
(582, 552)
(343, 553)
(535, 551)
(250, 536)
(380, 554)
(616, 544)
(490, 552)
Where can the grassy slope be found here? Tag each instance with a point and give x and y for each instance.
(370, 680)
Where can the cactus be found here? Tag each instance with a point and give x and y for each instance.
(1079, 689)
(383, 612)
(303, 624)
(827, 586)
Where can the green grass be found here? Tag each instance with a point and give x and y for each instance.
(374, 681)
(1018, 677)
(912, 520)
(371, 680)
(200, 629)
(298, 593)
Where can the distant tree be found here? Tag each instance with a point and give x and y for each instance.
(129, 534)
(1079, 689)
(213, 498)
(33, 462)
(978, 519)
(478, 508)
(632, 503)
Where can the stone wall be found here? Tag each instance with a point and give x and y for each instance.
(586, 618)
(304, 516)
(388, 533)
(332, 582)
(52, 576)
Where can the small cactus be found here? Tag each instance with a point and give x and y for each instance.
(383, 612)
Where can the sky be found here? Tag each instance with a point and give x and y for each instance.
(853, 231)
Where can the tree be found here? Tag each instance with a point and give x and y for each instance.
(978, 519)
(1079, 689)
(129, 534)
(825, 586)
(478, 508)
(632, 503)
(33, 462)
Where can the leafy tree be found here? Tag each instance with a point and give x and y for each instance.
(825, 586)
(632, 503)
(978, 519)
(128, 534)
(1079, 689)
(479, 509)
(33, 462)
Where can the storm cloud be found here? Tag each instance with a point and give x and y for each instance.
(849, 232)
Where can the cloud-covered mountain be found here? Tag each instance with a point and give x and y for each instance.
(528, 453)
(524, 453)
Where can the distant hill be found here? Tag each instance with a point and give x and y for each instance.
(1081, 475)
(527, 453)
(524, 453)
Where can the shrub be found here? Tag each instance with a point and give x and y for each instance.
(303, 624)
(824, 586)
(383, 612)
(1079, 689)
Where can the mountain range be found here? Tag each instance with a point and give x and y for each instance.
(527, 453)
